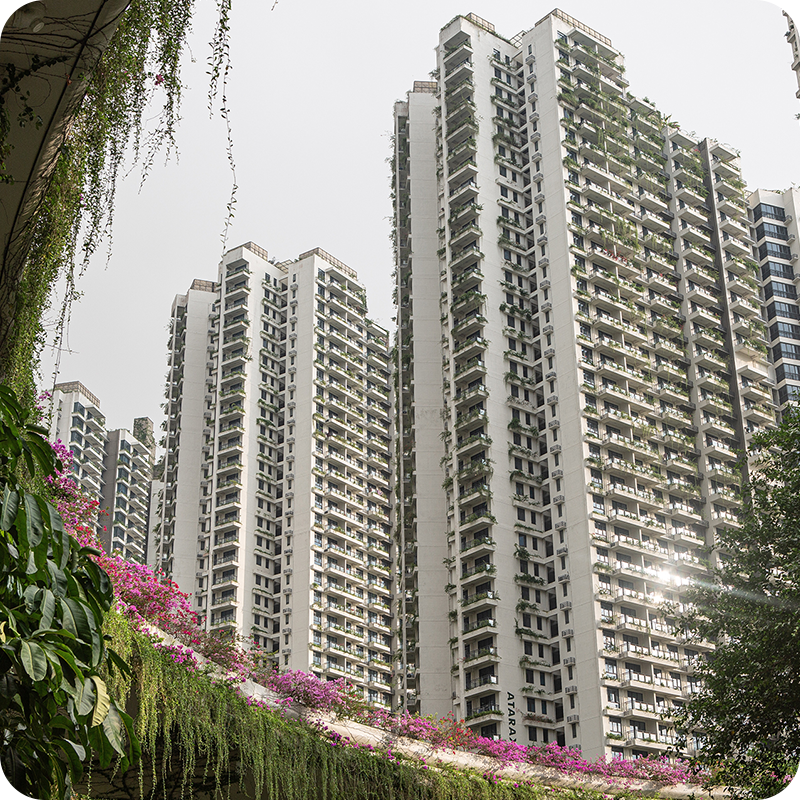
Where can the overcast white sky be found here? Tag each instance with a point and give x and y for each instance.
(311, 93)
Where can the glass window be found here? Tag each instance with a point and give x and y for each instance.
(789, 310)
(774, 250)
(787, 372)
(777, 270)
(786, 351)
(778, 289)
(775, 231)
(769, 212)
(784, 330)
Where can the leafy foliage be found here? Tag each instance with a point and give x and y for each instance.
(749, 708)
(55, 708)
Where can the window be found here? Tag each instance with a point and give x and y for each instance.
(778, 289)
(774, 250)
(784, 330)
(786, 351)
(777, 270)
(790, 372)
(788, 310)
(768, 212)
(775, 231)
(789, 393)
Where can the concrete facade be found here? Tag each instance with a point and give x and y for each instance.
(277, 508)
(601, 353)
(113, 467)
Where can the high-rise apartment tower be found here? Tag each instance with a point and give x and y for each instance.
(773, 217)
(580, 355)
(277, 507)
(113, 467)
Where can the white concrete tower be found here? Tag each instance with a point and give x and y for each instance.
(601, 356)
(286, 531)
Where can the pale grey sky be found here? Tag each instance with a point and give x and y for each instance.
(311, 94)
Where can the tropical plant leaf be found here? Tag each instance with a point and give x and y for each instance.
(58, 579)
(84, 698)
(33, 660)
(48, 609)
(114, 729)
(102, 703)
(75, 754)
(74, 619)
(10, 506)
(33, 520)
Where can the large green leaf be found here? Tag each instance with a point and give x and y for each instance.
(102, 703)
(74, 618)
(30, 597)
(48, 609)
(33, 520)
(58, 579)
(33, 660)
(10, 506)
(75, 754)
(85, 698)
(114, 729)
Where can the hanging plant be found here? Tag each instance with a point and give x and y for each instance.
(140, 69)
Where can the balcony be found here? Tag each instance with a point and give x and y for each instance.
(478, 683)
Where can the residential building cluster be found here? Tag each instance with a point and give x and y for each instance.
(113, 467)
(500, 515)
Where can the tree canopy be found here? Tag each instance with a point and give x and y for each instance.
(748, 711)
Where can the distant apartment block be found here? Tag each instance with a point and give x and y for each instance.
(115, 467)
(773, 221)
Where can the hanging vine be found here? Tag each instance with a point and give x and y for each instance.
(140, 69)
(199, 735)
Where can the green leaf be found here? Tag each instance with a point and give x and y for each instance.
(115, 660)
(133, 741)
(33, 519)
(114, 728)
(58, 579)
(101, 745)
(55, 664)
(48, 609)
(84, 698)
(34, 661)
(102, 703)
(30, 597)
(10, 506)
(41, 450)
(74, 619)
(75, 754)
